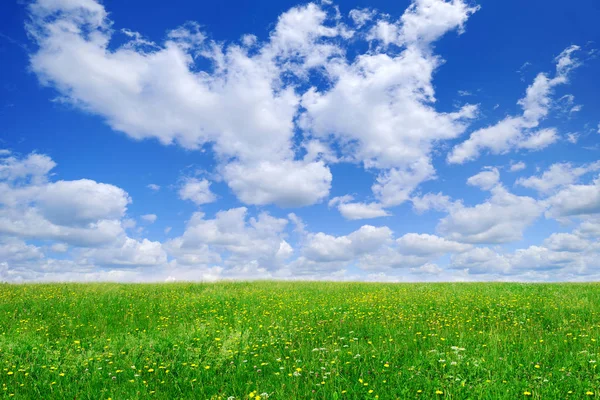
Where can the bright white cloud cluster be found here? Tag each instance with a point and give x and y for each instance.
(277, 114)
(379, 108)
(232, 244)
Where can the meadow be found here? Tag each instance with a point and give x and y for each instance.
(299, 340)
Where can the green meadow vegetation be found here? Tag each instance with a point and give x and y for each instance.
(299, 340)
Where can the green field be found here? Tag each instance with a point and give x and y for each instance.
(300, 341)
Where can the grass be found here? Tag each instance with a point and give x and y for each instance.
(299, 341)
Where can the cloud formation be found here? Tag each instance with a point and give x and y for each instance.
(277, 116)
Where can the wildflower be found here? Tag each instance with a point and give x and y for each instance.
(526, 393)
(439, 392)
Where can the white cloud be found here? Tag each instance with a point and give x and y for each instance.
(590, 228)
(481, 260)
(518, 166)
(326, 248)
(197, 191)
(486, 179)
(286, 184)
(81, 202)
(558, 175)
(394, 186)
(273, 138)
(59, 247)
(130, 253)
(431, 201)
(501, 219)
(427, 20)
(573, 137)
(247, 106)
(243, 108)
(15, 250)
(428, 245)
(354, 211)
(385, 32)
(81, 212)
(566, 242)
(361, 16)
(575, 200)
(34, 166)
(150, 218)
(246, 240)
(428, 268)
(520, 132)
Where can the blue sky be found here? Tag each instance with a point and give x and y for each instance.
(400, 141)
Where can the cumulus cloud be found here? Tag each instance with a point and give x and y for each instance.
(276, 114)
(367, 239)
(249, 104)
(522, 131)
(197, 191)
(428, 245)
(354, 211)
(518, 166)
(575, 200)
(82, 218)
(485, 180)
(245, 239)
(431, 201)
(286, 184)
(500, 219)
(34, 167)
(81, 202)
(557, 176)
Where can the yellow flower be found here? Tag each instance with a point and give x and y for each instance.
(589, 393)
(207, 367)
(439, 392)
(526, 393)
